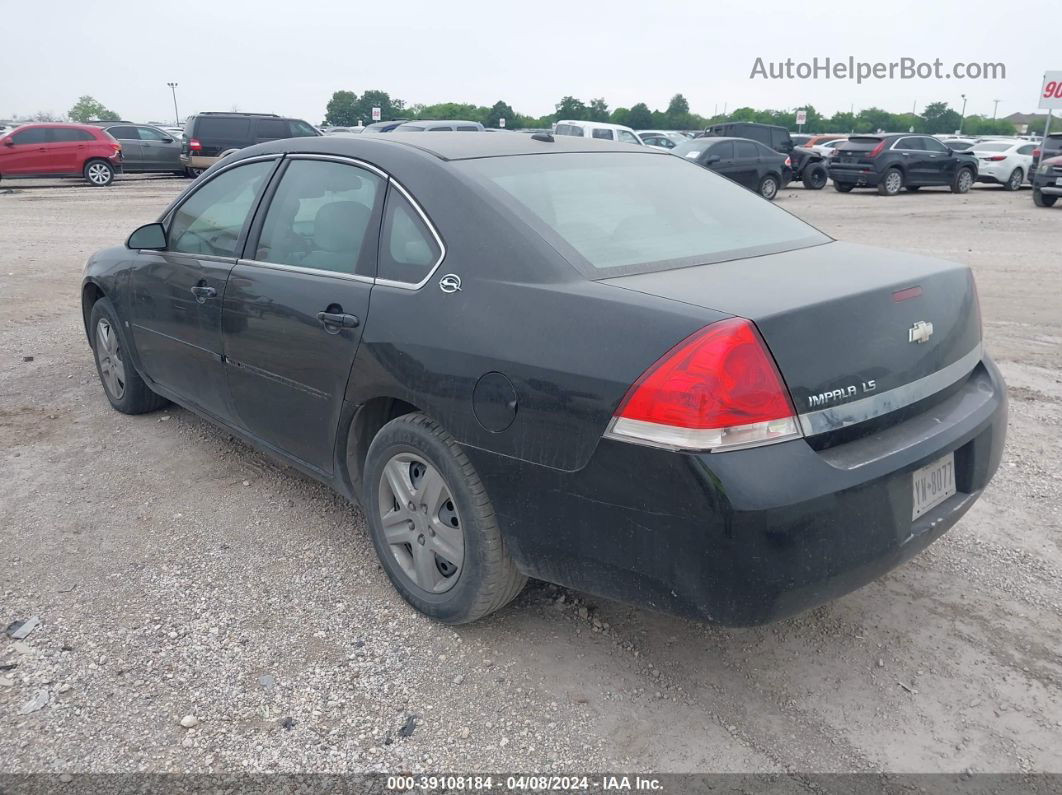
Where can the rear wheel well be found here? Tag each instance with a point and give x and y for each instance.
(370, 417)
(90, 294)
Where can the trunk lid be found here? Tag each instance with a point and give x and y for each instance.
(857, 150)
(844, 322)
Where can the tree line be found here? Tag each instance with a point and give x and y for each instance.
(346, 109)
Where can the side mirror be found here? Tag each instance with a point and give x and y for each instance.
(150, 237)
(712, 159)
(9, 141)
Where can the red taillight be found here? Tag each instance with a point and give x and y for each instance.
(997, 158)
(788, 162)
(1036, 154)
(876, 150)
(717, 389)
(194, 145)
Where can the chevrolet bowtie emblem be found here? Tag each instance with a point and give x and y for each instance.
(920, 332)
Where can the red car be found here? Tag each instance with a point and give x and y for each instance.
(60, 150)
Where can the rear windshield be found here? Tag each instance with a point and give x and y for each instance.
(617, 213)
(860, 143)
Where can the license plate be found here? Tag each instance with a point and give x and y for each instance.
(932, 484)
(1058, 181)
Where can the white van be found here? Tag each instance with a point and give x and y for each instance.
(598, 129)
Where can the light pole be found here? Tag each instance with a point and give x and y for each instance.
(962, 116)
(176, 115)
(995, 108)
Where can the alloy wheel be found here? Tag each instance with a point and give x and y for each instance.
(893, 182)
(1015, 180)
(965, 180)
(109, 354)
(769, 188)
(420, 522)
(99, 174)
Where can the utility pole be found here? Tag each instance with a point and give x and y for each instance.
(176, 115)
(962, 116)
(995, 107)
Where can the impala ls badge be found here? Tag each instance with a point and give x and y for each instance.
(920, 332)
(451, 283)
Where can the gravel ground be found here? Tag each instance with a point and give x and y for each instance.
(179, 575)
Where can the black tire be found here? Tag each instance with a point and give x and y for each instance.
(134, 397)
(815, 177)
(192, 173)
(842, 187)
(1014, 181)
(769, 187)
(98, 173)
(891, 182)
(1043, 201)
(487, 578)
(914, 188)
(964, 179)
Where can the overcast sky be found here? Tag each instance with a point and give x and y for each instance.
(288, 56)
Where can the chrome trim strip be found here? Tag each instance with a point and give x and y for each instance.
(845, 414)
(339, 159)
(435, 234)
(279, 266)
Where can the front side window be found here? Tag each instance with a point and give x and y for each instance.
(34, 135)
(300, 129)
(746, 149)
(408, 249)
(211, 219)
(444, 128)
(613, 213)
(151, 134)
(467, 128)
(724, 151)
(319, 216)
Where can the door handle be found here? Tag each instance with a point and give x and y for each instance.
(334, 321)
(202, 293)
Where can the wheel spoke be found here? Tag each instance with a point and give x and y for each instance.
(396, 527)
(432, 492)
(448, 541)
(427, 573)
(397, 474)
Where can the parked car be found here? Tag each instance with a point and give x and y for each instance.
(808, 166)
(440, 125)
(342, 130)
(664, 139)
(815, 141)
(895, 161)
(597, 129)
(208, 137)
(60, 150)
(662, 389)
(828, 148)
(146, 149)
(1006, 163)
(1047, 182)
(748, 163)
(1048, 147)
(384, 126)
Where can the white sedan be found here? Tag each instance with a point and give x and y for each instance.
(1006, 163)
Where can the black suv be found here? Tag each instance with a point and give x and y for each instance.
(900, 160)
(808, 166)
(1047, 180)
(208, 137)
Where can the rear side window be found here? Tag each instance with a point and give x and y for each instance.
(223, 129)
(746, 149)
(35, 135)
(724, 151)
(569, 129)
(1027, 149)
(408, 249)
(271, 129)
(628, 138)
(124, 133)
(319, 216)
(300, 129)
(598, 132)
(910, 144)
(467, 128)
(150, 134)
(443, 128)
(933, 145)
(778, 138)
(211, 219)
(67, 135)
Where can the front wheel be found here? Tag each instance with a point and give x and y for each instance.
(891, 182)
(433, 525)
(815, 177)
(963, 181)
(192, 173)
(122, 384)
(1043, 201)
(98, 173)
(1014, 180)
(769, 187)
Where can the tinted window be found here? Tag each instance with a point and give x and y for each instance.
(599, 132)
(124, 133)
(779, 138)
(909, 144)
(443, 128)
(863, 143)
(627, 137)
(933, 145)
(569, 129)
(746, 149)
(319, 216)
(271, 128)
(691, 149)
(222, 128)
(1027, 150)
(149, 134)
(724, 151)
(467, 128)
(67, 135)
(625, 212)
(408, 250)
(958, 146)
(410, 128)
(34, 135)
(211, 219)
(300, 129)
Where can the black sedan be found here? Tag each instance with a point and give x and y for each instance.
(748, 163)
(590, 363)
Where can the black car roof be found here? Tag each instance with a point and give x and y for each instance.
(453, 145)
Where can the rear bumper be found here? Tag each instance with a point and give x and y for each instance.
(198, 161)
(849, 175)
(750, 536)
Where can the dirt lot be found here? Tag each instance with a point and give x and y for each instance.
(178, 573)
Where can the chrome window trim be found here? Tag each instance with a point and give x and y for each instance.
(340, 159)
(845, 414)
(194, 188)
(434, 233)
(280, 266)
